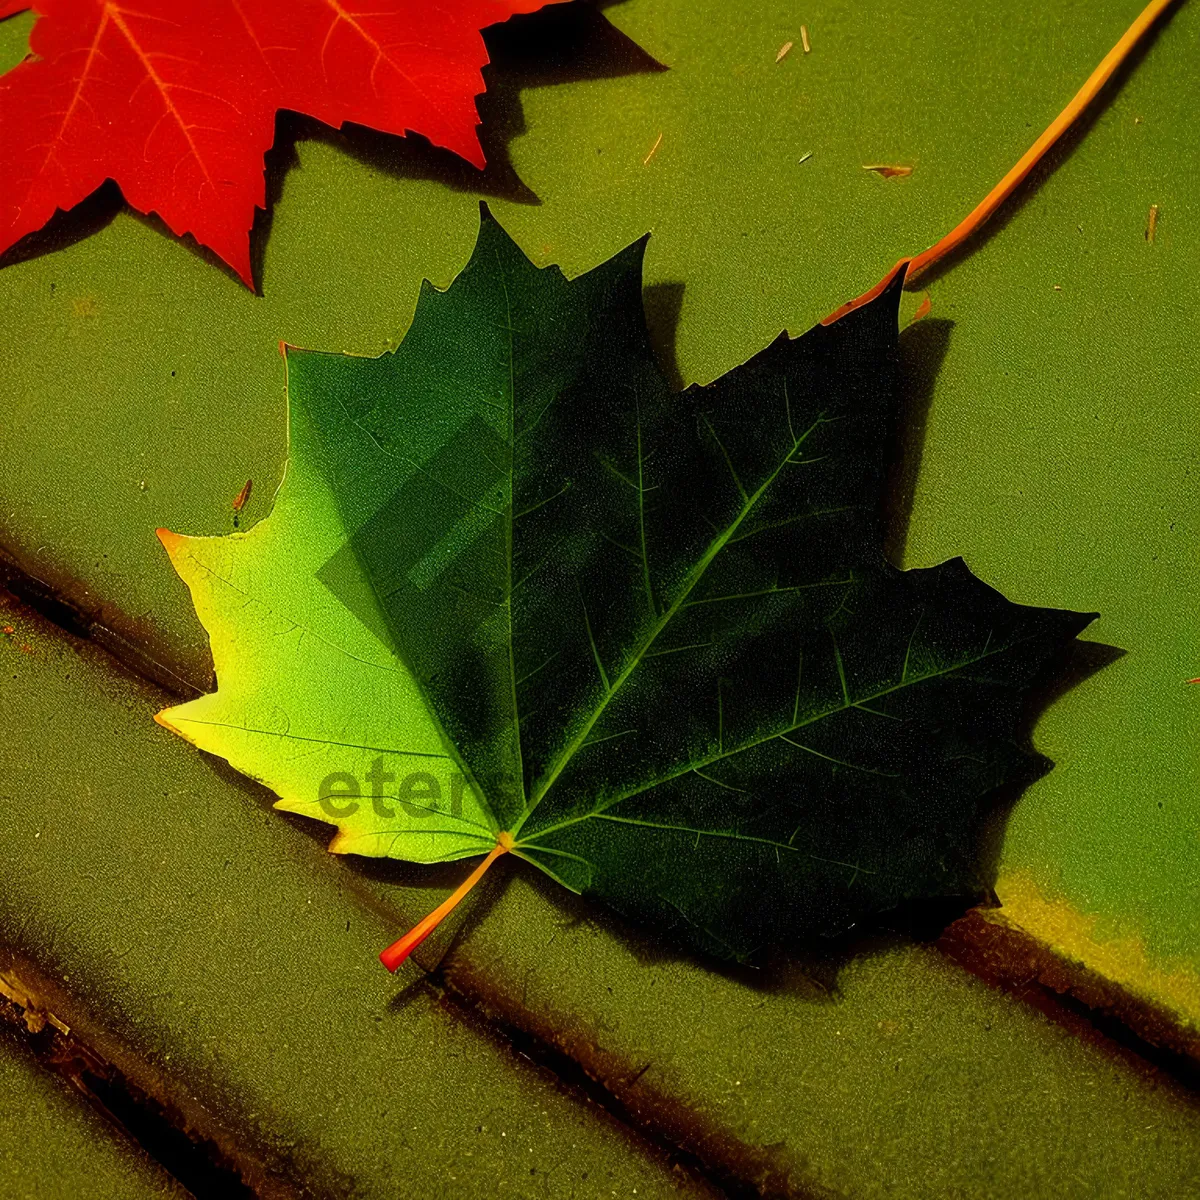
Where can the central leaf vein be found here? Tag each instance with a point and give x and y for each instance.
(696, 575)
(508, 591)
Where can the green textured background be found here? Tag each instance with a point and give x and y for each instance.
(141, 384)
(53, 1145)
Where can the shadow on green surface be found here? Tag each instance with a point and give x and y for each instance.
(66, 228)
(663, 303)
(923, 349)
(1080, 661)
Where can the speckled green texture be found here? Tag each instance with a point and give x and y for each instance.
(54, 1147)
(1062, 445)
(201, 939)
(898, 1075)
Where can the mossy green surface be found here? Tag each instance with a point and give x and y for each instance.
(142, 386)
(894, 1075)
(54, 1147)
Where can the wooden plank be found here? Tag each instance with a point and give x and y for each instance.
(54, 1146)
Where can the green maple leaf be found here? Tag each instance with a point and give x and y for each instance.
(513, 587)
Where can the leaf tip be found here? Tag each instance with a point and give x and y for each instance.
(171, 540)
(162, 717)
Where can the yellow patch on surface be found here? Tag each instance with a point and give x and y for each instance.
(1123, 960)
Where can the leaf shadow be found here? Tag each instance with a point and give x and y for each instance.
(565, 43)
(663, 304)
(1077, 663)
(410, 993)
(1057, 155)
(66, 228)
(923, 348)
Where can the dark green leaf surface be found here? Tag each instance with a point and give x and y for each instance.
(658, 629)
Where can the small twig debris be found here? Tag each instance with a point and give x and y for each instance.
(887, 171)
(653, 150)
(804, 39)
(1152, 223)
(783, 51)
(239, 501)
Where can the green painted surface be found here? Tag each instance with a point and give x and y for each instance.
(202, 939)
(1061, 448)
(202, 934)
(897, 1075)
(54, 1147)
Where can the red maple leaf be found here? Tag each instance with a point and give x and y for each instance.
(175, 100)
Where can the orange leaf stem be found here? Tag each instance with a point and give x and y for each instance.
(397, 952)
(919, 264)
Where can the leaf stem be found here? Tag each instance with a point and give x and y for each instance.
(918, 264)
(399, 951)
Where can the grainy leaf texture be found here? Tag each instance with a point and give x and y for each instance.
(515, 583)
